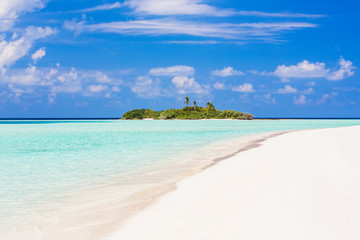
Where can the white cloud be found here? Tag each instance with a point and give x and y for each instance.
(97, 88)
(326, 97)
(204, 42)
(173, 71)
(198, 7)
(102, 7)
(53, 81)
(115, 89)
(219, 86)
(18, 92)
(189, 85)
(5, 96)
(278, 15)
(246, 87)
(170, 26)
(38, 54)
(311, 84)
(175, 7)
(67, 82)
(346, 70)
(75, 26)
(29, 77)
(60, 80)
(300, 101)
(181, 81)
(227, 72)
(51, 98)
(269, 99)
(309, 91)
(146, 87)
(287, 89)
(305, 69)
(11, 9)
(11, 51)
(100, 77)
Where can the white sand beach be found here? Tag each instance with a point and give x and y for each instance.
(299, 185)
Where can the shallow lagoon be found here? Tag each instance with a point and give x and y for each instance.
(41, 161)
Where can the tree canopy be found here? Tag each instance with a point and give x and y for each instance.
(193, 112)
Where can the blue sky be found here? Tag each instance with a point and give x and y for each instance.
(77, 58)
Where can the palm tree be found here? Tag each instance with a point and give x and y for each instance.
(210, 106)
(187, 101)
(194, 105)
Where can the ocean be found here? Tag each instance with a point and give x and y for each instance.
(50, 170)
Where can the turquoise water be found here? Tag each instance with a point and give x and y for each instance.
(40, 160)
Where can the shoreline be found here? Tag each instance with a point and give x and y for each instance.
(154, 193)
(163, 210)
(98, 211)
(105, 210)
(111, 215)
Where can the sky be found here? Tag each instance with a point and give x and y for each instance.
(101, 58)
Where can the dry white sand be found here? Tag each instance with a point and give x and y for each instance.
(301, 185)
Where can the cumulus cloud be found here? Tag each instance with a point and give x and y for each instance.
(13, 50)
(346, 70)
(100, 77)
(31, 76)
(287, 90)
(67, 82)
(305, 69)
(178, 70)
(18, 92)
(181, 81)
(97, 88)
(246, 87)
(10, 10)
(146, 87)
(102, 7)
(309, 91)
(54, 81)
(326, 97)
(115, 89)
(38, 54)
(187, 85)
(219, 86)
(227, 72)
(300, 101)
(45, 81)
(269, 99)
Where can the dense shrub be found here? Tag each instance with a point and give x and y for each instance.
(188, 112)
(135, 114)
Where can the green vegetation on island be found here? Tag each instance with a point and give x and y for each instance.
(188, 112)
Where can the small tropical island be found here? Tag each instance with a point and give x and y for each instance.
(193, 112)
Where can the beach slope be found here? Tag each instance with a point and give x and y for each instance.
(299, 185)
